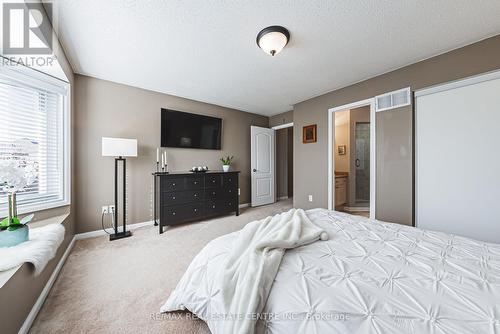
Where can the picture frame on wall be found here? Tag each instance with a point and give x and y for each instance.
(309, 134)
(342, 149)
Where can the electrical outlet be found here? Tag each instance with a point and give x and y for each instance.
(108, 209)
(310, 198)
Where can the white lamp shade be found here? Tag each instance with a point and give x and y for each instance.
(119, 147)
(272, 43)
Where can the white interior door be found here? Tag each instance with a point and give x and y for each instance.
(263, 165)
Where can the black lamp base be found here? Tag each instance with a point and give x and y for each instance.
(120, 235)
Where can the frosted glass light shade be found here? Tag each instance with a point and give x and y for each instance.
(273, 39)
(119, 147)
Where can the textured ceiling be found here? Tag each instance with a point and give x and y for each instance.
(205, 49)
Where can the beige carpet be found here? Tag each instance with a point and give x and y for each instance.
(118, 287)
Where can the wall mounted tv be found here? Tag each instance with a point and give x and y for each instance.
(182, 129)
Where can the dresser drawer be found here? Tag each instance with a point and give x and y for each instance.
(229, 192)
(220, 206)
(182, 213)
(182, 197)
(213, 181)
(172, 184)
(230, 180)
(230, 204)
(213, 194)
(218, 193)
(195, 182)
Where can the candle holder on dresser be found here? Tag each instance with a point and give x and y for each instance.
(163, 161)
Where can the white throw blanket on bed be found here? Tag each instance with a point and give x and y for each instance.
(250, 268)
(38, 250)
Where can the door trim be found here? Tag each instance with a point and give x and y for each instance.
(331, 162)
(282, 126)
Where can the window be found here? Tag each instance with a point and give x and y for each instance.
(34, 144)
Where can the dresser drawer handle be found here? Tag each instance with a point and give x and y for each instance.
(213, 181)
(213, 206)
(230, 190)
(195, 195)
(195, 182)
(173, 197)
(195, 210)
(229, 180)
(173, 213)
(213, 192)
(173, 184)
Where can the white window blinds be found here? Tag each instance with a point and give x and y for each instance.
(33, 148)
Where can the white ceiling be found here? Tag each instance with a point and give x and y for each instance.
(205, 49)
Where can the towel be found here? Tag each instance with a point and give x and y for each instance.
(38, 250)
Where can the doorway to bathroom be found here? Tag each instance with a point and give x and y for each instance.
(351, 160)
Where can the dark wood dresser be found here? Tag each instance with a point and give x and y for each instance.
(185, 197)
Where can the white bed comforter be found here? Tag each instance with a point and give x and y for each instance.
(369, 277)
(243, 283)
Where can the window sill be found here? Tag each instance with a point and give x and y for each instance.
(33, 208)
(5, 276)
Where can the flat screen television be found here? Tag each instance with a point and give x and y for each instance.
(182, 129)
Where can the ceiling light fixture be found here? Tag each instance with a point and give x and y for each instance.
(273, 39)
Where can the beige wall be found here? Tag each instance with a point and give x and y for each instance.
(281, 163)
(108, 109)
(290, 161)
(310, 160)
(283, 118)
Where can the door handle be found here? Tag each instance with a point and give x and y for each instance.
(357, 163)
(254, 170)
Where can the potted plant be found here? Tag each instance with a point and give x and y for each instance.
(226, 162)
(12, 230)
(17, 172)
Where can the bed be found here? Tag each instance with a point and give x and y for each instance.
(369, 277)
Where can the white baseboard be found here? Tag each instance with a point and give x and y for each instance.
(45, 292)
(99, 233)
